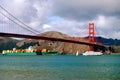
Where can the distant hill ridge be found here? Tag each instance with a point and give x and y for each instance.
(109, 41)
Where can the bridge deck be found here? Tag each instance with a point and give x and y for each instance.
(49, 38)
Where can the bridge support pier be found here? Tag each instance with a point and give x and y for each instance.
(91, 47)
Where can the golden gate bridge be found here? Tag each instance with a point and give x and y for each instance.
(7, 19)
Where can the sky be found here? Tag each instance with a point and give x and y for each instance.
(68, 16)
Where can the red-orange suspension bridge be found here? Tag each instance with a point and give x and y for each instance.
(91, 41)
(51, 39)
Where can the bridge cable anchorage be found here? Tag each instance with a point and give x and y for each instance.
(27, 27)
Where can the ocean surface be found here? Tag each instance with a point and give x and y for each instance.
(60, 67)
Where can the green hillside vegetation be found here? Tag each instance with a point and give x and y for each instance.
(27, 44)
(114, 44)
(108, 41)
(116, 49)
(7, 43)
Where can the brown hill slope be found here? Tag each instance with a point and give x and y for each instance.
(62, 47)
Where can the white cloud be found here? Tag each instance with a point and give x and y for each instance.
(108, 26)
(69, 27)
(45, 26)
(84, 9)
(68, 16)
(33, 13)
(101, 21)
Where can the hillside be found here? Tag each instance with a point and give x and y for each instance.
(62, 47)
(7, 43)
(108, 41)
(113, 44)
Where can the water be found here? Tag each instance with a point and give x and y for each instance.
(67, 67)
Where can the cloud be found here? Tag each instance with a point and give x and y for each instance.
(70, 27)
(104, 13)
(108, 26)
(33, 13)
(67, 16)
(86, 10)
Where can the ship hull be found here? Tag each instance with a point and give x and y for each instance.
(28, 53)
(20, 53)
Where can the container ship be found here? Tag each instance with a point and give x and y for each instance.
(29, 51)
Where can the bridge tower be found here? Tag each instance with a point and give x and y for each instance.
(91, 35)
(91, 32)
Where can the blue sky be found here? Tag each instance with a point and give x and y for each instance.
(67, 16)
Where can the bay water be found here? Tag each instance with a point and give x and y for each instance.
(60, 67)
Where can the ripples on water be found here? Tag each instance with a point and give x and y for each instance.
(67, 67)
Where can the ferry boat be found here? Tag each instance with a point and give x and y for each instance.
(29, 51)
(90, 53)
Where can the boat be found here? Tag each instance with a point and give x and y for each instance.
(10, 53)
(92, 53)
(77, 53)
(48, 52)
(29, 51)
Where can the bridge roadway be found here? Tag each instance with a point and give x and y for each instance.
(50, 38)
